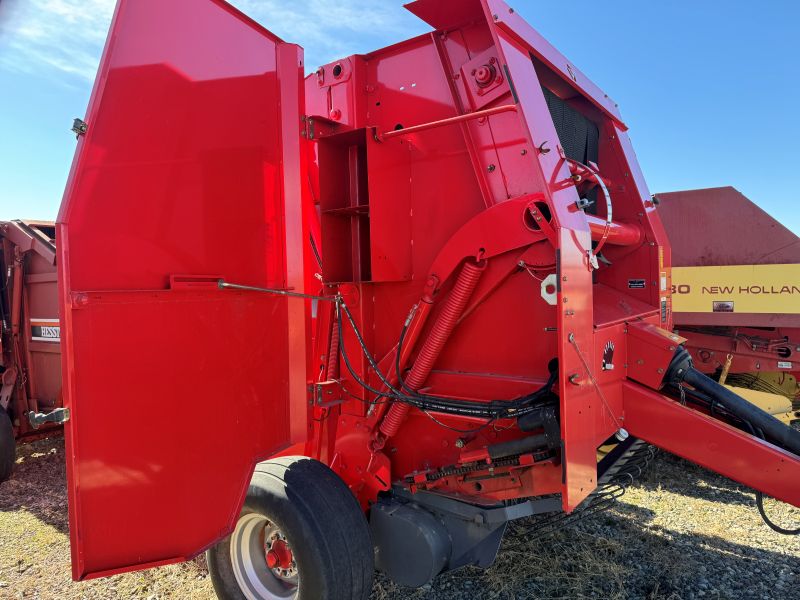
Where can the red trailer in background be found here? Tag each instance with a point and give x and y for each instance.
(736, 294)
(30, 337)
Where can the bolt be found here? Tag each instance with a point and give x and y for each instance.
(491, 168)
(485, 74)
(460, 443)
(523, 152)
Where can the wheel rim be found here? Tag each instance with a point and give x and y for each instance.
(262, 559)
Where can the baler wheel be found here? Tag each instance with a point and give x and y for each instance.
(8, 446)
(301, 535)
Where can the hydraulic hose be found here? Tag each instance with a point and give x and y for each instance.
(445, 323)
(517, 447)
(681, 370)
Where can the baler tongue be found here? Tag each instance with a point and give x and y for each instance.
(730, 436)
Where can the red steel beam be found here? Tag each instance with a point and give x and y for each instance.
(480, 114)
(619, 234)
(711, 443)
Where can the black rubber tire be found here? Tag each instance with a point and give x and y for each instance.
(322, 522)
(8, 446)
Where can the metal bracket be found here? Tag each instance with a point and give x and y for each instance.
(79, 127)
(7, 382)
(550, 283)
(593, 264)
(58, 416)
(328, 393)
(480, 514)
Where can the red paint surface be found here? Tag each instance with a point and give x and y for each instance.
(231, 374)
(175, 393)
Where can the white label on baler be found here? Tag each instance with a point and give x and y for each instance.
(45, 330)
(782, 364)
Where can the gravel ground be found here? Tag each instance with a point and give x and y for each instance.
(681, 532)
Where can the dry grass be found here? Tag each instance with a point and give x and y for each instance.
(34, 543)
(680, 533)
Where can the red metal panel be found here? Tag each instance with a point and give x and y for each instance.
(191, 167)
(711, 443)
(445, 15)
(510, 22)
(701, 223)
(579, 403)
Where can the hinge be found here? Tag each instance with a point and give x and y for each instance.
(79, 127)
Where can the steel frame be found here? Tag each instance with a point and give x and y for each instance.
(422, 187)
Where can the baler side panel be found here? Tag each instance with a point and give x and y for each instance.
(574, 308)
(531, 62)
(189, 171)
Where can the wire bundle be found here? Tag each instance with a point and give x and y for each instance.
(492, 410)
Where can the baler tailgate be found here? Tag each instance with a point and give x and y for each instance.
(188, 172)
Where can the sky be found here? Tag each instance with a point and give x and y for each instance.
(708, 88)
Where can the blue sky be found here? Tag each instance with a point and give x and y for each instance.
(708, 88)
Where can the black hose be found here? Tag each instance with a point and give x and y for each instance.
(779, 433)
(768, 521)
(760, 424)
(518, 446)
(681, 370)
(491, 410)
